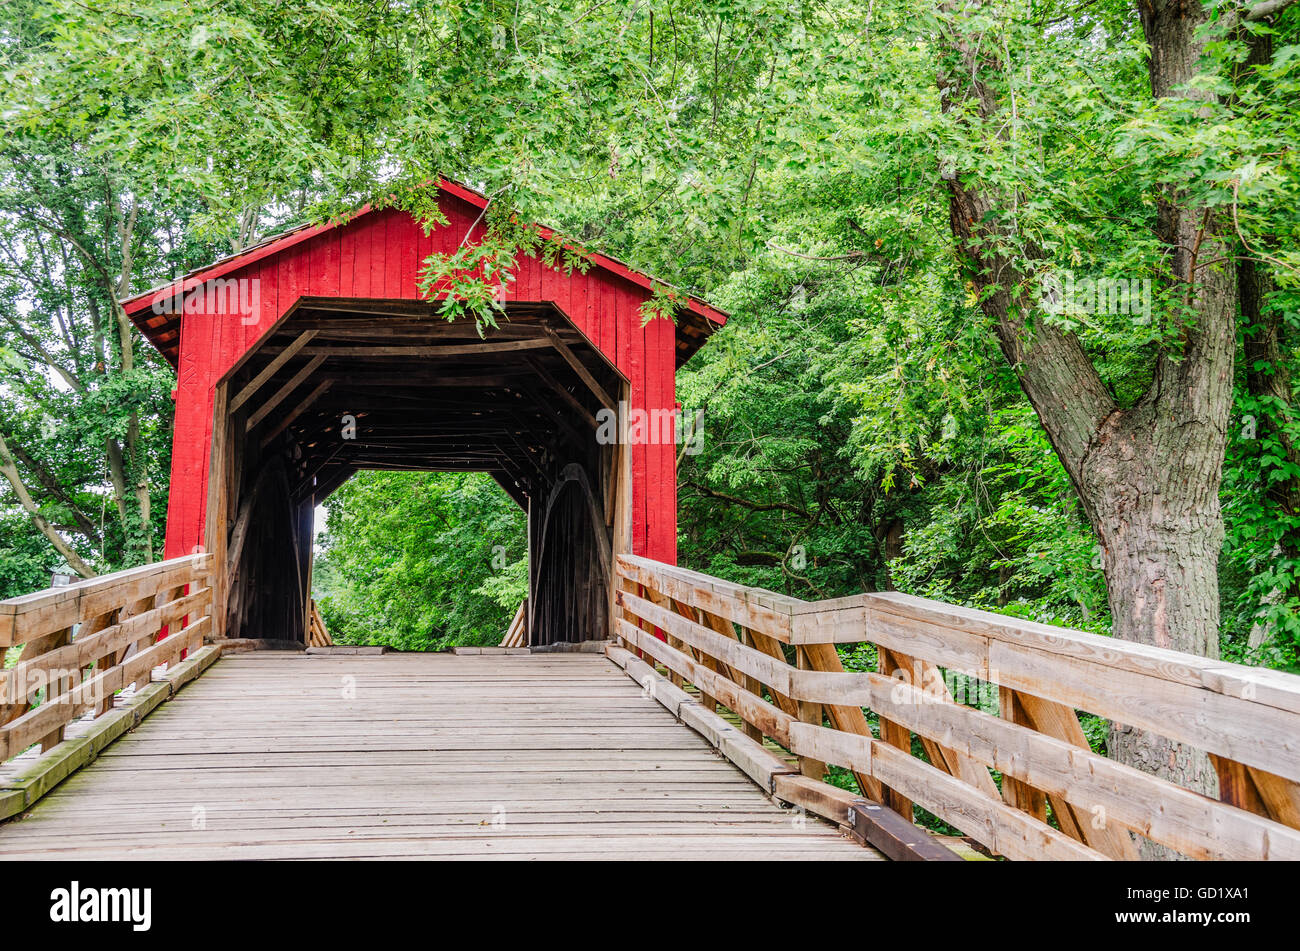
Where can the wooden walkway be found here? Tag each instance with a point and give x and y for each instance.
(289, 756)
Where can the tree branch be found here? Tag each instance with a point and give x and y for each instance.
(51, 485)
(1265, 9)
(754, 506)
(10, 472)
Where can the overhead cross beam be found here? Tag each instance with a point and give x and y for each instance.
(579, 368)
(290, 417)
(446, 350)
(283, 394)
(558, 388)
(255, 384)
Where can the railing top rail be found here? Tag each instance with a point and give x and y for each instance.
(857, 617)
(1247, 719)
(28, 616)
(778, 603)
(1270, 687)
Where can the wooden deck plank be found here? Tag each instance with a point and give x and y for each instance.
(292, 756)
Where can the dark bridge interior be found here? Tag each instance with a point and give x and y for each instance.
(342, 385)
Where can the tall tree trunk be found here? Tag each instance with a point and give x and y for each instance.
(1148, 476)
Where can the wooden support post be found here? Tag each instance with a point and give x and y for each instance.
(927, 677)
(1089, 827)
(56, 687)
(809, 713)
(707, 700)
(749, 683)
(1014, 792)
(663, 601)
(88, 628)
(896, 735)
(222, 464)
(846, 719)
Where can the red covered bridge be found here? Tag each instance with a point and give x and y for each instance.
(313, 355)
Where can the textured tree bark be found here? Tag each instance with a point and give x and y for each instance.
(1148, 475)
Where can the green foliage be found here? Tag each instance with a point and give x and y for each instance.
(421, 561)
(26, 561)
(861, 428)
(1261, 561)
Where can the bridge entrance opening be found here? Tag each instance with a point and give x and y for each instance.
(419, 561)
(282, 348)
(341, 385)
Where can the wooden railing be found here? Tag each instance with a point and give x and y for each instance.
(772, 660)
(85, 642)
(517, 632)
(318, 634)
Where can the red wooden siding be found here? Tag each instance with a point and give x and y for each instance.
(377, 255)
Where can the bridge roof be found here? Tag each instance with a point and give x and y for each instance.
(696, 319)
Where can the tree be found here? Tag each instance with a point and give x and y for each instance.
(421, 561)
(1147, 470)
(85, 405)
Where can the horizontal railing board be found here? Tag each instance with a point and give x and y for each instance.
(772, 720)
(956, 650)
(782, 604)
(98, 601)
(1260, 685)
(25, 604)
(1243, 730)
(1154, 807)
(1015, 834)
(991, 822)
(855, 618)
(687, 588)
(84, 651)
(775, 673)
(1257, 735)
(25, 618)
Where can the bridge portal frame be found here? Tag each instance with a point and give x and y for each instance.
(574, 342)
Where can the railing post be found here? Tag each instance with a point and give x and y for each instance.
(707, 700)
(753, 686)
(893, 733)
(94, 626)
(809, 713)
(55, 688)
(1015, 793)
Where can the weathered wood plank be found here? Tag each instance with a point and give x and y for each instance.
(483, 756)
(25, 618)
(283, 357)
